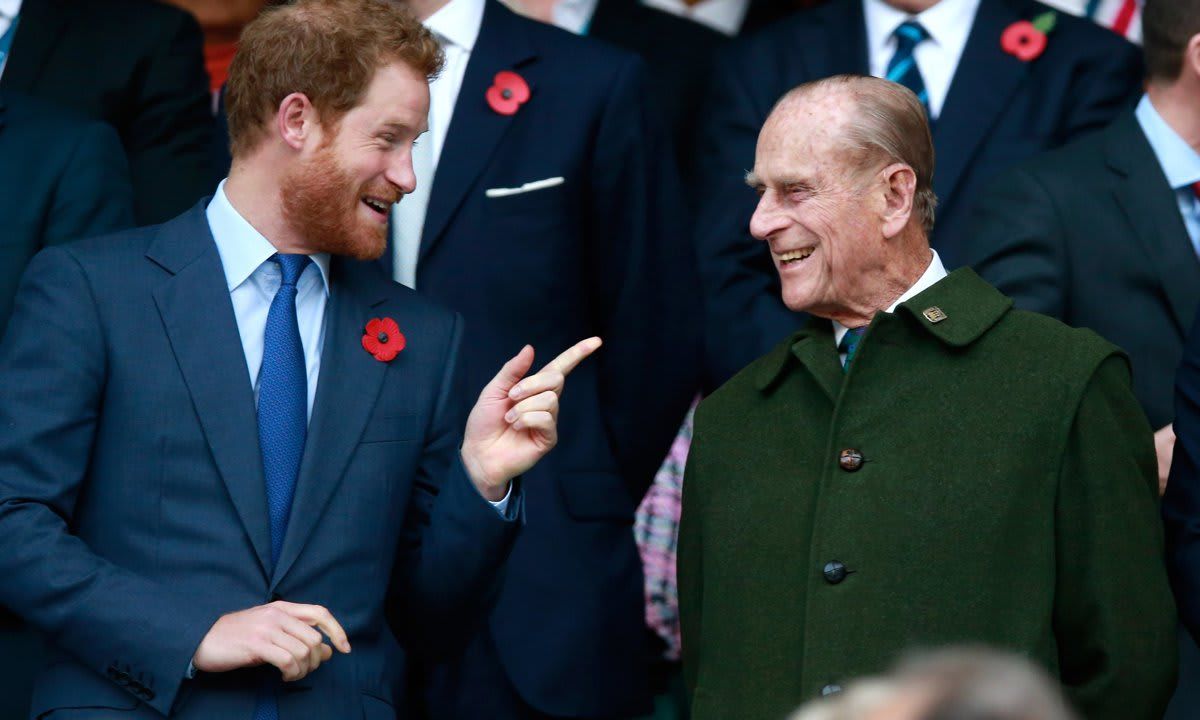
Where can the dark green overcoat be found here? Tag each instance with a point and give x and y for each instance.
(1007, 495)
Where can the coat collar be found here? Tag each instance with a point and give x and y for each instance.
(970, 307)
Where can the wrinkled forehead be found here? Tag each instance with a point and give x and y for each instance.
(804, 133)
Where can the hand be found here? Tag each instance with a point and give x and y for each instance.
(515, 422)
(279, 634)
(1164, 448)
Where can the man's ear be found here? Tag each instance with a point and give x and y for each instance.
(1191, 56)
(296, 120)
(899, 190)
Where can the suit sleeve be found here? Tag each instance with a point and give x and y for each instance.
(641, 273)
(1114, 617)
(169, 136)
(1181, 502)
(93, 196)
(52, 376)
(744, 312)
(1017, 242)
(454, 541)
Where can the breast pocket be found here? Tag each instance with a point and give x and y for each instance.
(529, 202)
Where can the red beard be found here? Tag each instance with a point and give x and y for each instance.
(320, 203)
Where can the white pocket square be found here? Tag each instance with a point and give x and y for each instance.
(527, 187)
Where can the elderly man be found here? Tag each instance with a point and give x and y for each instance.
(923, 465)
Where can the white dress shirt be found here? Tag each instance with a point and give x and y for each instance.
(456, 26)
(724, 16)
(9, 9)
(574, 16)
(1180, 164)
(948, 24)
(936, 271)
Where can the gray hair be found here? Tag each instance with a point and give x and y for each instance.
(889, 126)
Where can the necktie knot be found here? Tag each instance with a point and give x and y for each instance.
(909, 34)
(291, 266)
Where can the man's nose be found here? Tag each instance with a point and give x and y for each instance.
(400, 172)
(767, 219)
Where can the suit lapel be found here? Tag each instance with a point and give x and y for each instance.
(838, 43)
(198, 318)
(475, 130)
(984, 81)
(819, 356)
(40, 30)
(349, 383)
(1148, 201)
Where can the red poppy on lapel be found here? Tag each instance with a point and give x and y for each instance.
(1026, 40)
(508, 92)
(383, 339)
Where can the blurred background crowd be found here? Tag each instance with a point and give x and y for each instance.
(1056, 181)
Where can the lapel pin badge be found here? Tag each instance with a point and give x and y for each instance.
(934, 314)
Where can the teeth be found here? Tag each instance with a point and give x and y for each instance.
(793, 255)
(378, 205)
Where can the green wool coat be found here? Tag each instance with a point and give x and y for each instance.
(1007, 496)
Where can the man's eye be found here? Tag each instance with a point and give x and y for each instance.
(388, 138)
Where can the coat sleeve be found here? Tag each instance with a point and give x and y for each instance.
(52, 375)
(641, 272)
(454, 542)
(93, 195)
(168, 138)
(1017, 242)
(1114, 618)
(744, 312)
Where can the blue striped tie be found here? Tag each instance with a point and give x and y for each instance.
(849, 345)
(903, 66)
(282, 418)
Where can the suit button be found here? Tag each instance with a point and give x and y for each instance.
(850, 460)
(834, 572)
(831, 689)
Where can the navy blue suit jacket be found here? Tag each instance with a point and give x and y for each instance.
(1181, 502)
(604, 253)
(61, 178)
(999, 111)
(132, 506)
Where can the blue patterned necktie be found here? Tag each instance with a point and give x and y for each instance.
(282, 417)
(903, 66)
(849, 344)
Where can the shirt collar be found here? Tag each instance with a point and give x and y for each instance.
(242, 248)
(942, 21)
(936, 271)
(458, 23)
(10, 8)
(1180, 162)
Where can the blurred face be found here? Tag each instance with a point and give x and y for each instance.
(339, 194)
(814, 212)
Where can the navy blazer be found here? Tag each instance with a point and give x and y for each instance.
(133, 511)
(604, 253)
(61, 178)
(999, 111)
(1181, 502)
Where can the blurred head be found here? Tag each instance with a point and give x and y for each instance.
(327, 97)
(952, 684)
(844, 173)
(1171, 40)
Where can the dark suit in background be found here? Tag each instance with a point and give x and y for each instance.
(61, 178)
(678, 55)
(133, 510)
(139, 66)
(603, 253)
(999, 110)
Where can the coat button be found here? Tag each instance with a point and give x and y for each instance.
(831, 689)
(834, 572)
(850, 460)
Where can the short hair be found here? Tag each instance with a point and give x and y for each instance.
(889, 126)
(1167, 26)
(327, 49)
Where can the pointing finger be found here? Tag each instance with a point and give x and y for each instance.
(575, 354)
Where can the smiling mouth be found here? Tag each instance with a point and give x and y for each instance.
(793, 257)
(376, 205)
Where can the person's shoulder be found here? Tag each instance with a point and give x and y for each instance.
(1063, 354)
(30, 115)
(136, 13)
(732, 400)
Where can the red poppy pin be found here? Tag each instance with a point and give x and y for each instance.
(508, 92)
(383, 339)
(1026, 40)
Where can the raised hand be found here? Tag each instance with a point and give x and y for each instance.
(515, 422)
(280, 634)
